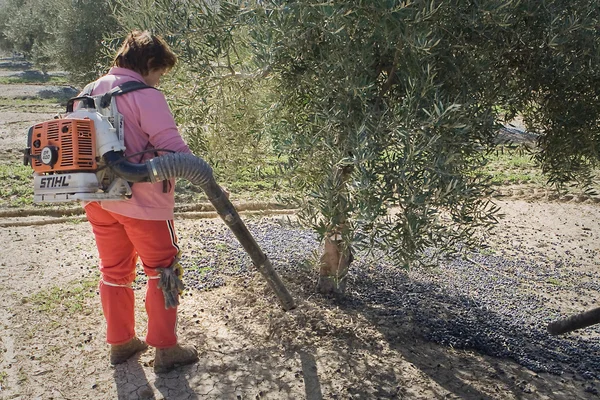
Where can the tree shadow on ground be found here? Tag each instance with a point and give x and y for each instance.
(17, 64)
(401, 307)
(426, 325)
(60, 93)
(131, 381)
(34, 76)
(172, 386)
(393, 334)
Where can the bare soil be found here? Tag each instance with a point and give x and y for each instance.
(52, 329)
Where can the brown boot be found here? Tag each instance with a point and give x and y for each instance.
(119, 353)
(170, 358)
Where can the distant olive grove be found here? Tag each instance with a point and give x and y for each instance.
(58, 33)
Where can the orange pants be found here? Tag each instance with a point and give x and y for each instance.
(120, 240)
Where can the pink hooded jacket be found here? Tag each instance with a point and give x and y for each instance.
(148, 123)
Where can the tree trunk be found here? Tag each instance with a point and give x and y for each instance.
(334, 264)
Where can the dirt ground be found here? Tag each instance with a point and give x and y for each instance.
(52, 333)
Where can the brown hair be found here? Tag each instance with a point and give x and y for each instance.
(143, 52)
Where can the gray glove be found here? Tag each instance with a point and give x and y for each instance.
(171, 282)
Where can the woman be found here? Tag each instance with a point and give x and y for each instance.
(142, 225)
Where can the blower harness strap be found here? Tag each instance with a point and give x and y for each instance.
(126, 87)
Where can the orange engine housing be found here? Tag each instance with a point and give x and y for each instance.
(74, 139)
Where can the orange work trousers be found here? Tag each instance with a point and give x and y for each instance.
(120, 240)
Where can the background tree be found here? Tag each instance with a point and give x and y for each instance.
(80, 36)
(26, 27)
(552, 58)
(66, 34)
(5, 44)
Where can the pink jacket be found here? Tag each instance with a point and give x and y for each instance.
(148, 123)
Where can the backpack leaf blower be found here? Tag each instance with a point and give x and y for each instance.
(81, 157)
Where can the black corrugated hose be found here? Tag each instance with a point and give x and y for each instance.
(199, 173)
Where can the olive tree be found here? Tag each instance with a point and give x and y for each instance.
(387, 110)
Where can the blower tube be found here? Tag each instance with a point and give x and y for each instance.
(574, 322)
(199, 173)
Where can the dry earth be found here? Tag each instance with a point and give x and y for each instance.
(51, 326)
